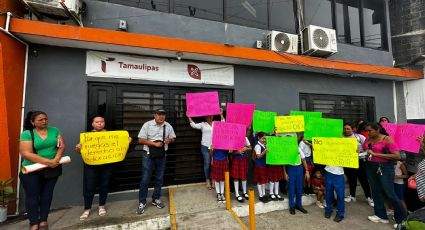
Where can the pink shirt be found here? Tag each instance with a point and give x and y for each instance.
(378, 148)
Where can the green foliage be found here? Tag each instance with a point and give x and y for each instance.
(7, 192)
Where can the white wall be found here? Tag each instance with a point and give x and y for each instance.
(414, 93)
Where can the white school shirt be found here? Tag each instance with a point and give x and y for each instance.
(206, 130)
(305, 148)
(302, 154)
(335, 170)
(257, 148)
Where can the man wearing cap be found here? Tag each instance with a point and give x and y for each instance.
(156, 133)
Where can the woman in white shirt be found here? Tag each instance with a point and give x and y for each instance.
(206, 141)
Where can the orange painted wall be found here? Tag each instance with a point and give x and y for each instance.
(12, 67)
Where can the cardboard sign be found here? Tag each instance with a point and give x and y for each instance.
(323, 127)
(264, 121)
(282, 150)
(307, 115)
(336, 152)
(104, 147)
(405, 135)
(228, 136)
(202, 104)
(240, 113)
(289, 124)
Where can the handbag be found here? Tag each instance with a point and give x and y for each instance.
(155, 152)
(48, 173)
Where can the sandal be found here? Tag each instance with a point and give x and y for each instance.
(240, 199)
(85, 215)
(102, 211)
(208, 185)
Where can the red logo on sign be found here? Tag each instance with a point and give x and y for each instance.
(103, 63)
(194, 71)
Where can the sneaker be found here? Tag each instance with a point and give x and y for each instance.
(350, 198)
(158, 203)
(279, 197)
(324, 204)
(395, 226)
(319, 204)
(370, 202)
(141, 209)
(218, 198)
(376, 219)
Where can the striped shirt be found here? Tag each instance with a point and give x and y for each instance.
(420, 180)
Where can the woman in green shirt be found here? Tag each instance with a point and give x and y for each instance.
(49, 146)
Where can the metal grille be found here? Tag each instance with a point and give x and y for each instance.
(348, 108)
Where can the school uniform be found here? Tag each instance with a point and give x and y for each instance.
(296, 181)
(240, 164)
(260, 170)
(335, 181)
(220, 164)
(275, 173)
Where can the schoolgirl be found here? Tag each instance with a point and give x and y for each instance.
(239, 169)
(217, 172)
(260, 169)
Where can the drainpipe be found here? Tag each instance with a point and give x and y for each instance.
(6, 30)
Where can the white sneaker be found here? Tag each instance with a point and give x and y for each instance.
(395, 226)
(376, 219)
(349, 198)
(319, 204)
(370, 202)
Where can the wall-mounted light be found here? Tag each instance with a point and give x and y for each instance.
(179, 55)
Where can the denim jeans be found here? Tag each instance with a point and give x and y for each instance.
(38, 195)
(96, 176)
(207, 161)
(335, 182)
(148, 165)
(384, 184)
(295, 185)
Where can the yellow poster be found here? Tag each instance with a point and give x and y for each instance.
(99, 148)
(289, 124)
(336, 151)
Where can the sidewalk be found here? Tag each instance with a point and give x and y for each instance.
(195, 207)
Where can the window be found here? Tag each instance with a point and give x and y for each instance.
(282, 16)
(374, 24)
(318, 12)
(251, 13)
(207, 9)
(348, 21)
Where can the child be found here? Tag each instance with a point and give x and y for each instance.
(296, 179)
(306, 148)
(260, 170)
(218, 169)
(240, 169)
(400, 173)
(335, 181)
(318, 184)
(275, 174)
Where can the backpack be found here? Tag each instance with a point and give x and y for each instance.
(414, 221)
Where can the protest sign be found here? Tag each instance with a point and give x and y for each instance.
(405, 135)
(282, 150)
(202, 104)
(240, 113)
(323, 127)
(289, 124)
(390, 128)
(228, 136)
(307, 115)
(104, 147)
(336, 152)
(263, 121)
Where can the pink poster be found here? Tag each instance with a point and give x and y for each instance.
(240, 113)
(390, 128)
(202, 104)
(407, 135)
(228, 136)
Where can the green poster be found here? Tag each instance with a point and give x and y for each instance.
(263, 121)
(323, 127)
(307, 115)
(282, 150)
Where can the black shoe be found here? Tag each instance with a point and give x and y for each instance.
(338, 218)
(245, 195)
(301, 209)
(279, 197)
(328, 215)
(292, 211)
(240, 199)
(272, 197)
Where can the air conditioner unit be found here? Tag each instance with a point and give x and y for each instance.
(282, 42)
(319, 41)
(54, 7)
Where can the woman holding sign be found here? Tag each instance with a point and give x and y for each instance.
(95, 176)
(382, 152)
(206, 141)
(42, 144)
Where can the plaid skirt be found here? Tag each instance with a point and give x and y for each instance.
(275, 173)
(218, 169)
(239, 168)
(260, 174)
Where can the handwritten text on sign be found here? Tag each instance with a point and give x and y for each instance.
(405, 135)
(282, 151)
(202, 104)
(289, 124)
(228, 136)
(336, 152)
(240, 113)
(104, 147)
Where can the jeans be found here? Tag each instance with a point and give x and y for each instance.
(96, 176)
(148, 165)
(295, 185)
(384, 184)
(335, 182)
(207, 161)
(38, 195)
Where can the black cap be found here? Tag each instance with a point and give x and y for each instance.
(159, 111)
